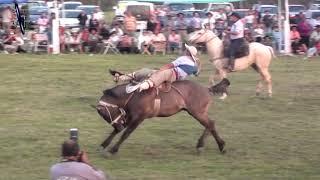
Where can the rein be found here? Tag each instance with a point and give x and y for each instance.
(122, 111)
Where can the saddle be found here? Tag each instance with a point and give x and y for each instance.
(242, 51)
(134, 85)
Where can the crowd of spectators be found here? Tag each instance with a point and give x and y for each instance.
(165, 32)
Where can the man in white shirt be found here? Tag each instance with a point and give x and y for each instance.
(7, 18)
(236, 34)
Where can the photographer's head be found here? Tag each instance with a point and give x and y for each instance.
(69, 149)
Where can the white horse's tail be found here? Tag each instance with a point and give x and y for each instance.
(272, 52)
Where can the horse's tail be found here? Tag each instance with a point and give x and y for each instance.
(114, 73)
(221, 87)
(273, 55)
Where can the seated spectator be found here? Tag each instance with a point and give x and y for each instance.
(93, 41)
(258, 33)
(315, 35)
(74, 165)
(296, 45)
(85, 38)
(147, 42)
(93, 24)
(174, 41)
(125, 43)
(313, 51)
(10, 44)
(159, 42)
(73, 41)
(116, 28)
(104, 31)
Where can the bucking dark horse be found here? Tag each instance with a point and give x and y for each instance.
(127, 111)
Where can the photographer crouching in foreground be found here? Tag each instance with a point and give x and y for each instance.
(74, 165)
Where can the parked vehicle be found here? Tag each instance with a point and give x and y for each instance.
(188, 14)
(120, 8)
(90, 9)
(216, 6)
(241, 12)
(314, 7)
(70, 5)
(174, 8)
(273, 10)
(69, 18)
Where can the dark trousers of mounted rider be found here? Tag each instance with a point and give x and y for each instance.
(235, 44)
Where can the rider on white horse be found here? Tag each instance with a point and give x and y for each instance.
(178, 69)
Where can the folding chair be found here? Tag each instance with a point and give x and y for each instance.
(40, 41)
(108, 45)
(159, 47)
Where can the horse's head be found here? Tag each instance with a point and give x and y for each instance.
(201, 36)
(110, 108)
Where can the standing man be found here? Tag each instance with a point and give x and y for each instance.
(7, 19)
(82, 17)
(74, 165)
(236, 34)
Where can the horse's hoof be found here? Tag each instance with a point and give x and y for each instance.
(106, 154)
(200, 150)
(113, 151)
(100, 149)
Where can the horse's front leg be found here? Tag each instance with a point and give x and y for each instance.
(131, 127)
(108, 140)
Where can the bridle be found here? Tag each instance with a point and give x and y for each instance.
(209, 39)
(123, 113)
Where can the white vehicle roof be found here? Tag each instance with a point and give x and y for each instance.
(72, 2)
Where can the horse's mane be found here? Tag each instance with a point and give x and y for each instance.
(115, 92)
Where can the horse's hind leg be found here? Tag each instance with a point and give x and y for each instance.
(267, 78)
(210, 126)
(202, 139)
(109, 139)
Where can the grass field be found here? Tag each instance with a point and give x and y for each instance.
(43, 96)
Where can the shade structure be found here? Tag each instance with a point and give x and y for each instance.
(189, 1)
(12, 1)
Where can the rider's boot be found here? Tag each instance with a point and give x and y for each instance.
(146, 85)
(231, 64)
(126, 77)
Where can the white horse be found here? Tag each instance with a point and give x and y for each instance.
(259, 58)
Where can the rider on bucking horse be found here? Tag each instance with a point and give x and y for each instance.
(178, 69)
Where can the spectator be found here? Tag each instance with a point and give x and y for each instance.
(209, 21)
(97, 15)
(267, 21)
(7, 18)
(315, 22)
(117, 29)
(73, 41)
(276, 35)
(315, 50)
(93, 41)
(125, 43)
(174, 41)
(85, 38)
(305, 30)
(147, 42)
(93, 24)
(195, 23)
(74, 165)
(153, 24)
(220, 28)
(43, 23)
(249, 18)
(62, 37)
(82, 19)
(222, 14)
(315, 36)
(258, 33)
(104, 30)
(158, 41)
(130, 23)
(296, 45)
(170, 23)
(10, 44)
(181, 26)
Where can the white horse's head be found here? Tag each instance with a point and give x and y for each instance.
(201, 36)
